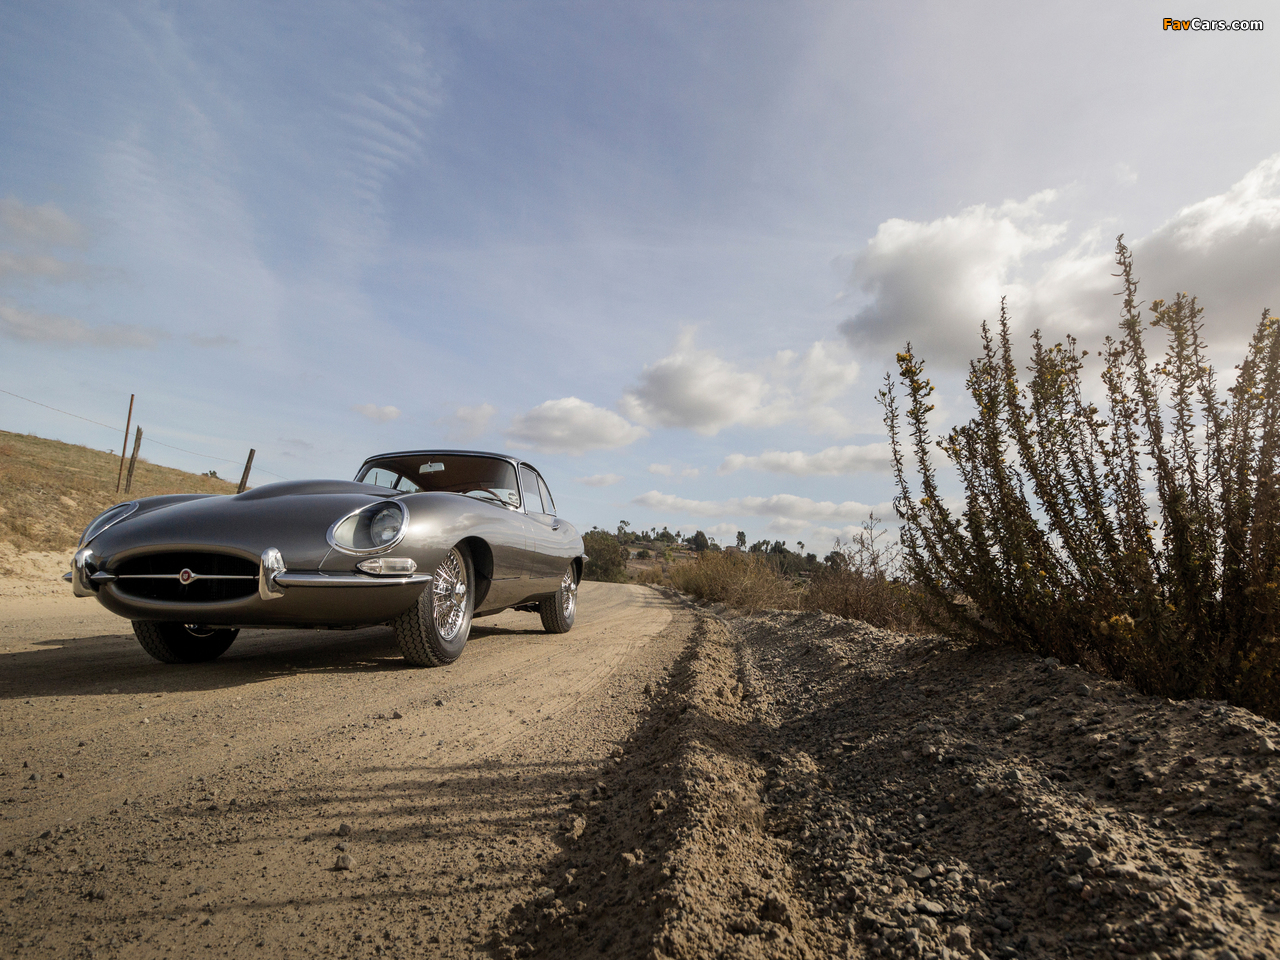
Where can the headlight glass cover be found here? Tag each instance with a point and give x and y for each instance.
(105, 519)
(372, 529)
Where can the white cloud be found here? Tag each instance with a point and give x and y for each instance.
(40, 226)
(695, 389)
(933, 283)
(662, 469)
(833, 460)
(725, 534)
(783, 506)
(570, 425)
(600, 480)
(35, 327)
(376, 413)
(467, 423)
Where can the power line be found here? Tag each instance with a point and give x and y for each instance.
(161, 443)
(56, 410)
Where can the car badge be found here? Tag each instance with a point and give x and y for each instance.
(186, 576)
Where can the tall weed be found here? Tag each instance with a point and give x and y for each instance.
(1140, 540)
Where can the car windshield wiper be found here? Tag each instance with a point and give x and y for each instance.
(490, 494)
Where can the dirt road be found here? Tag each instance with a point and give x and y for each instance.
(307, 793)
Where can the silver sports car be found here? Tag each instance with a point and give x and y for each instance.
(423, 540)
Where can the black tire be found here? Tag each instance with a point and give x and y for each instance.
(434, 631)
(559, 609)
(181, 642)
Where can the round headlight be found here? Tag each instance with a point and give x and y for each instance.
(385, 526)
(106, 519)
(371, 529)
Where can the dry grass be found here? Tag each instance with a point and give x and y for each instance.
(49, 490)
(740, 580)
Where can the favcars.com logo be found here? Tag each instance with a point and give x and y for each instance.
(1199, 23)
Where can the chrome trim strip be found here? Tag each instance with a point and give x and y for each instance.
(132, 506)
(270, 569)
(352, 551)
(177, 576)
(347, 580)
(102, 577)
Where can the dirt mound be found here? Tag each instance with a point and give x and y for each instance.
(808, 786)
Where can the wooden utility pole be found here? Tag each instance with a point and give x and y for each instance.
(244, 478)
(125, 447)
(133, 461)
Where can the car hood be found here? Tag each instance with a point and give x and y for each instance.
(292, 516)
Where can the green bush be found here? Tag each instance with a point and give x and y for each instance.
(606, 559)
(1140, 541)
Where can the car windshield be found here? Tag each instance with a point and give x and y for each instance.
(486, 478)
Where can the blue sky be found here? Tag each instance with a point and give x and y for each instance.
(667, 249)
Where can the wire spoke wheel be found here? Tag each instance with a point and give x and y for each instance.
(449, 595)
(568, 594)
(434, 631)
(558, 610)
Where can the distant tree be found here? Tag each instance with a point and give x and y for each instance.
(698, 542)
(607, 559)
(742, 540)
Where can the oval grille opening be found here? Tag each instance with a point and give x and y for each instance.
(208, 577)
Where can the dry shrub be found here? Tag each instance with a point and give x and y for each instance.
(741, 580)
(862, 580)
(1142, 540)
(652, 574)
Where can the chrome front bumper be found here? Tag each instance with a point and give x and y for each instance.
(273, 577)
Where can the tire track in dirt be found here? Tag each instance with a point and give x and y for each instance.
(245, 769)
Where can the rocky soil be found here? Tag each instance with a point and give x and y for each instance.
(809, 787)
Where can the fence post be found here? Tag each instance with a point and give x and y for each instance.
(125, 446)
(133, 461)
(244, 478)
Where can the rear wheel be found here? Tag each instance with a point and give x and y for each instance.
(558, 610)
(434, 631)
(182, 642)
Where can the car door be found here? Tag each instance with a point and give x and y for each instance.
(549, 560)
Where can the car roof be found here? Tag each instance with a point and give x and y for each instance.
(445, 453)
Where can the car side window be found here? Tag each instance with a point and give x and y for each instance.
(548, 504)
(532, 496)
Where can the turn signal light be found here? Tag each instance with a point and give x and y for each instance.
(382, 566)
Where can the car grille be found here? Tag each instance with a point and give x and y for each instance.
(209, 577)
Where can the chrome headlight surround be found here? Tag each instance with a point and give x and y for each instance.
(108, 517)
(355, 532)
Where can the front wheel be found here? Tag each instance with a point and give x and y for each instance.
(182, 642)
(434, 630)
(558, 610)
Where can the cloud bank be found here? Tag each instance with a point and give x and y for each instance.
(573, 426)
(376, 413)
(933, 283)
(829, 462)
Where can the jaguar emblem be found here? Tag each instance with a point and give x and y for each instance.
(186, 576)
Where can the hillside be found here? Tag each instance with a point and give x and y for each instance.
(50, 490)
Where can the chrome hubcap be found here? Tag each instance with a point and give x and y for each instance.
(449, 595)
(569, 594)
